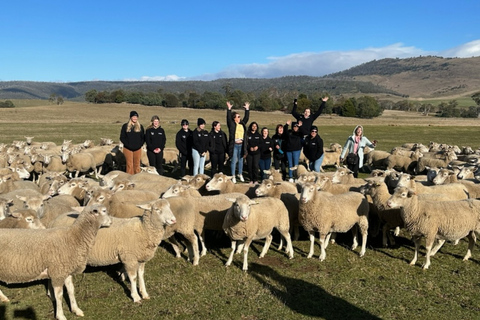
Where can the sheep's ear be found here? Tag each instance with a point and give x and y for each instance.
(78, 209)
(46, 197)
(230, 199)
(145, 206)
(21, 198)
(228, 178)
(277, 183)
(411, 193)
(253, 202)
(15, 214)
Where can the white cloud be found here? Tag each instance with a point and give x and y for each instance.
(322, 63)
(467, 50)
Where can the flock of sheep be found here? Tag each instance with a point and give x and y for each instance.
(47, 202)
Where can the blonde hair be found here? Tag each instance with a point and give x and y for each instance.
(135, 126)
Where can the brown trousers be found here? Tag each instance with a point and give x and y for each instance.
(133, 160)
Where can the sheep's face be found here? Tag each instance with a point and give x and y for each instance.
(22, 172)
(218, 180)
(308, 192)
(265, 188)
(400, 197)
(405, 180)
(340, 175)
(442, 176)
(162, 215)
(175, 190)
(100, 212)
(241, 207)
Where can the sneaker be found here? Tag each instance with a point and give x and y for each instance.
(234, 180)
(290, 180)
(240, 177)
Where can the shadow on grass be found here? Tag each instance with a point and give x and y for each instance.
(306, 298)
(27, 313)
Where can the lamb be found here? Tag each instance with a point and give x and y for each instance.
(446, 176)
(331, 157)
(48, 208)
(376, 159)
(181, 190)
(54, 163)
(425, 162)
(447, 220)
(326, 213)
(170, 157)
(403, 163)
(132, 242)
(22, 219)
(80, 163)
(249, 220)
(345, 176)
(325, 184)
(454, 191)
(53, 254)
(224, 184)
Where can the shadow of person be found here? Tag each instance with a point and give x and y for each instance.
(306, 298)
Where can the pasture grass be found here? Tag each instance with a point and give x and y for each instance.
(380, 285)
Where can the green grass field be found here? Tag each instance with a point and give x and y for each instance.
(380, 285)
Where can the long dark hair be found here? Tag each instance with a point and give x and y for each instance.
(251, 126)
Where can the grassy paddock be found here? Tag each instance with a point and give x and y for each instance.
(381, 285)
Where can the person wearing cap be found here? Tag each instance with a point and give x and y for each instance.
(217, 148)
(200, 143)
(132, 136)
(306, 119)
(183, 142)
(237, 138)
(313, 149)
(156, 139)
(293, 148)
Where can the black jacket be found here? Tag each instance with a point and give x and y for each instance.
(253, 140)
(265, 146)
(292, 139)
(200, 140)
(308, 122)
(218, 142)
(132, 140)
(278, 141)
(313, 148)
(155, 138)
(183, 141)
(232, 126)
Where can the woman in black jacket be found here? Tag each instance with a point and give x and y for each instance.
(266, 148)
(155, 139)
(132, 136)
(293, 139)
(253, 151)
(183, 142)
(279, 155)
(218, 148)
(200, 143)
(313, 149)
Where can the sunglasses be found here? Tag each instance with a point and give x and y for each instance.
(314, 131)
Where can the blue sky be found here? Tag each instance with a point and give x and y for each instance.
(66, 41)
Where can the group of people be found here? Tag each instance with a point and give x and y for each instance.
(243, 143)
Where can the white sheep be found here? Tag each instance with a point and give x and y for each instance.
(325, 213)
(331, 157)
(249, 220)
(22, 219)
(447, 220)
(80, 163)
(345, 176)
(55, 254)
(132, 242)
(223, 183)
(403, 163)
(454, 191)
(425, 162)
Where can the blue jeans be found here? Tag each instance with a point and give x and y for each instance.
(237, 157)
(265, 164)
(198, 162)
(317, 164)
(293, 158)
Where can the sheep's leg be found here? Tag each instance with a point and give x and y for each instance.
(193, 248)
(175, 246)
(397, 231)
(266, 246)
(429, 240)
(289, 247)
(416, 241)
(3, 297)
(245, 253)
(311, 235)
(355, 240)
(471, 243)
(437, 247)
(364, 232)
(58, 295)
(141, 281)
(230, 257)
(280, 245)
(201, 237)
(327, 239)
(323, 240)
(332, 238)
(132, 270)
(240, 246)
(71, 296)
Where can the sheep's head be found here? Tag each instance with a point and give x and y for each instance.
(242, 207)
(161, 214)
(265, 188)
(308, 192)
(217, 182)
(175, 190)
(400, 197)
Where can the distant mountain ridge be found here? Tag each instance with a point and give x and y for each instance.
(420, 77)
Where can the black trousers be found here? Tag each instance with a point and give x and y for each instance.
(156, 160)
(217, 160)
(183, 164)
(281, 164)
(253, 167)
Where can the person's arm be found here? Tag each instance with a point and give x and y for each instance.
(164, 140)
(320, 109)
(229, 114)
(247, 112)
(124, 137)
(295, 114)
(319, 148)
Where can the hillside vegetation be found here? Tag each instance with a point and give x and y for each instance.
(420, 77)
